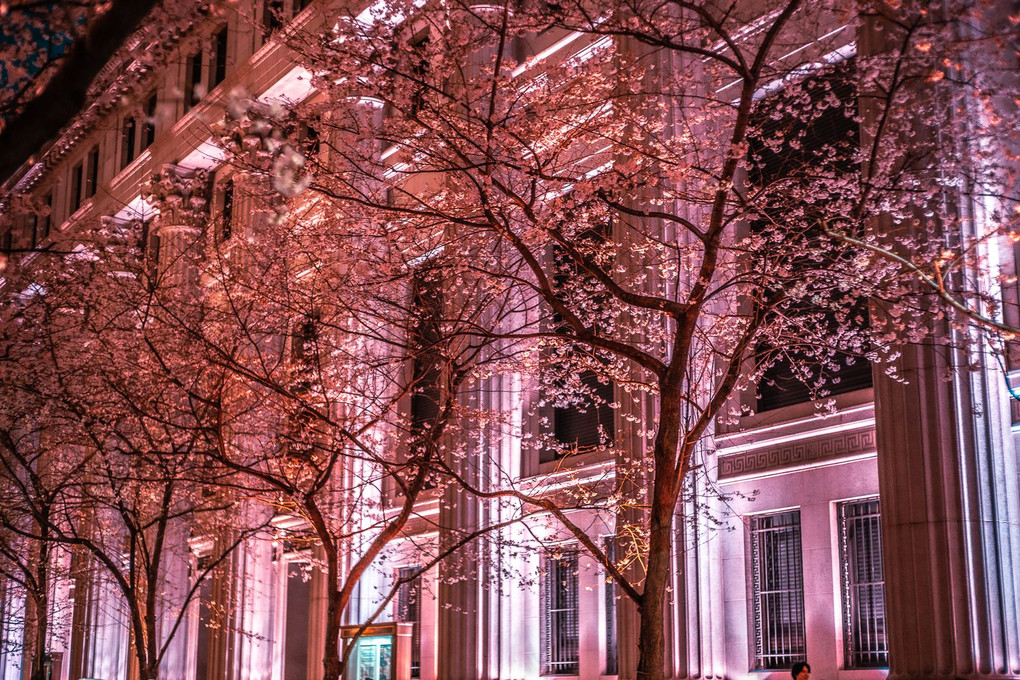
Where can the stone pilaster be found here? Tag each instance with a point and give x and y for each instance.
(461, 618)
(698, 637)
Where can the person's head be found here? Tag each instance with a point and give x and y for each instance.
(801, 671)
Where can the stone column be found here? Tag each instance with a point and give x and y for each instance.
(950, 518)
(947, 463)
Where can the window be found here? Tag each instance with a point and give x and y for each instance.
(612, 666)
(193, 80)
(777, 591)
(793, 144)
(127, 141)
(409, 611)
(219, 72)
(582, 419)
(149, 243)
(581, 426)
(149, 128)
(207, 622)
(92, 172)
(227, 211)
(272, 16)
(77, 173)
(860, 550)
(138, 132)
(41, 224)
(559, 607)
(296, 628)
(426, 361)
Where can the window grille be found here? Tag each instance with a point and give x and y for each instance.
(778, 591)
(864, 632)
(612, 667)
(559, 629)
(409, 611)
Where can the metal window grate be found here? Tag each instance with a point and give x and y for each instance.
(409, 611)
(864, 632)
(559, 629)
(612, 667)
(778, 590)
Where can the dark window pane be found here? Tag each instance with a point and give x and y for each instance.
(220, 65)
(127, 142)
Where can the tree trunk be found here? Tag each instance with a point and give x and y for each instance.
(334, 609)
(41, 599)
(652, 636)
(665, 490)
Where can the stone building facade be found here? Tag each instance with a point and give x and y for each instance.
(881, 540)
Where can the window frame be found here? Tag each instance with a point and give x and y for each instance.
(771, 651)
(854, 655)
(555, 633)
(408, 609)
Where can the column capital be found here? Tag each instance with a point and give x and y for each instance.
(181, 195)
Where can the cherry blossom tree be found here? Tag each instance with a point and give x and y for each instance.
(106, 446)
(342, 367)
(687, 199)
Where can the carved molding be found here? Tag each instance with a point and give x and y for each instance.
(804, 452)
(181, 196)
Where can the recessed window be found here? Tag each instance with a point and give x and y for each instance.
(560, 639)
(92, 172)
(219, 57)
(227, 211)
(409, 611)
(128, 141)
(41, 224)
(77, 175)
(864, 628)
(612, 666)
(296, 628)
(193, 80)
(811, 146)
(149, 127)
(426, 360)
(777, 584)
(272, 16)
(581, 417)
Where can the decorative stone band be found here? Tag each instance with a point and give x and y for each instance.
(832, 446)
(180, 195)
